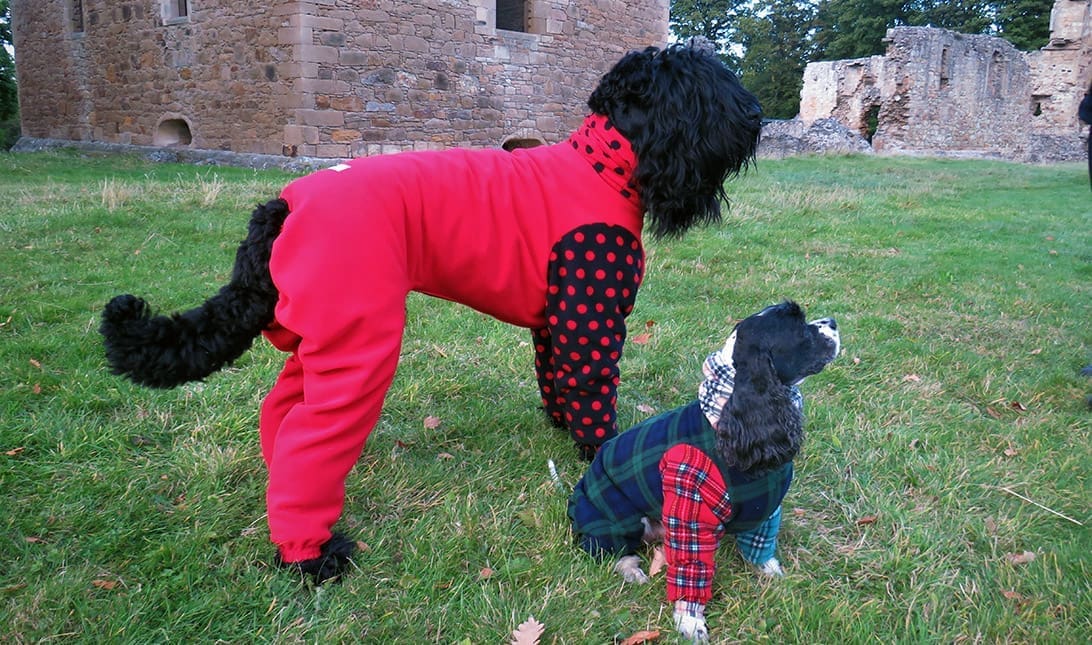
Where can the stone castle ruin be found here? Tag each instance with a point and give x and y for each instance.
(318, 78)
(940, 93)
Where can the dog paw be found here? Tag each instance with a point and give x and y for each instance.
(629, 567)
(334, 558)
(771, 568)
(691, 627)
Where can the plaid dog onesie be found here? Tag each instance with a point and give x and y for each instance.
(668, 467)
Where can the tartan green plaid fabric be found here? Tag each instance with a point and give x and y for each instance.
(625, 483)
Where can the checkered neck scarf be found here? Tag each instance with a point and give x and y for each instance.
(719, 381)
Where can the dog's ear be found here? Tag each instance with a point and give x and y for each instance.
(759, 429)
(692, 125)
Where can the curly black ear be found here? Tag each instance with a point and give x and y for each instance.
(691, 124)
(759, 429)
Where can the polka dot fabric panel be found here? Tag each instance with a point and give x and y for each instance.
(593, 278)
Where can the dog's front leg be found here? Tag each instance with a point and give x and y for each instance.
(629, 567)
(690, 621)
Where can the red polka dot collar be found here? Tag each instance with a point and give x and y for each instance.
(609, 153)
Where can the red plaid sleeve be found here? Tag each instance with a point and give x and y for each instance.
(695, 498)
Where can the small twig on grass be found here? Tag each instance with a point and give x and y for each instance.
(1031, 501)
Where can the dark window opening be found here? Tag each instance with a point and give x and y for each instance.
(513, 143)
(177, 9)
(77, 15)
(512, 15)
(872, 122)
(173, 132)
(944, 65)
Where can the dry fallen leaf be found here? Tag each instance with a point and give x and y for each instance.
(35, 363)
(445, 455)
(641, 637)
(659, 561)
(641, 339)
(913, 378)
(108, 585)
(361, 545)
(867, 519)
(15, 451)
(528, 632)
(1012, 595)
(486, 573)
(647, 409)
(993, 413)
(1020, 558)
(1016, 405)
(431, 423)
(37, 389)
(1011, 452)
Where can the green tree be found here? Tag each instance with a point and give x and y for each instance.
(963, 16)
(855, 28)
(777, 46)
(715, 20)
(9, 97)
(1025, 23)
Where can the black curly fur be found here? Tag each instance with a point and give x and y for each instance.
(760, 429)
(692, 126)
(335, 557)
(166, 351)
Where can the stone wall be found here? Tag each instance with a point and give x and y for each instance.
(317, 78)
(937, 92)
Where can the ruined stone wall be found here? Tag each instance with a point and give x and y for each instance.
(220, 71)
(952, 92)
(318, 78)
(937, 92)
(388, 76)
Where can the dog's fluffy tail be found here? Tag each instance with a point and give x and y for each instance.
(166, 351)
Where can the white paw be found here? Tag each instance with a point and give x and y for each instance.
(691, 627)
(629, 566)
(771, 568)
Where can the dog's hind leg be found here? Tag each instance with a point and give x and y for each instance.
(166, 351)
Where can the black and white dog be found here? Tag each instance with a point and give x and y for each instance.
(721, 464)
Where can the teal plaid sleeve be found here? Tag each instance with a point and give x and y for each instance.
(759, 544)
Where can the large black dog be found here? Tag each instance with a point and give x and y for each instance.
(548, 238)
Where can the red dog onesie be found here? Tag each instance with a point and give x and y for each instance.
(530, 237)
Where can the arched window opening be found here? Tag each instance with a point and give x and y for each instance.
(173, 132)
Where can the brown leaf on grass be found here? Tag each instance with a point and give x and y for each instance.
(108, 585)
(993, 413)
(361, 545)
(485, 574)
(641, 339)
(33, 540)
(913, 378)
(37, 389)
(856, 360)
(431, 422)
(528, 632)
(1011, 452)
(646, 636)
(15, 451)
(649, 324)
(1012, 595)
(647, 409)
(1016, 405)
(445, 455)
(1020, 558)
(659, 561)
(35, 363)
(867, 519)
(1036, 352)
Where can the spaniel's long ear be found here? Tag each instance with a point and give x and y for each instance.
(759, 429)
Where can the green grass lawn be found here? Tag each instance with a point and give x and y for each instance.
(963, 291)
